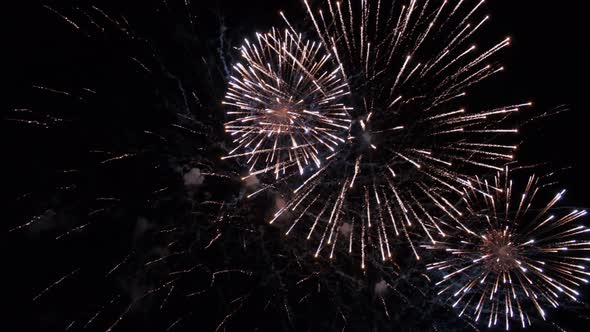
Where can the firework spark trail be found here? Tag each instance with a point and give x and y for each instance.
(518, 255)
(285, 104)
(408, 66)
(56, 283)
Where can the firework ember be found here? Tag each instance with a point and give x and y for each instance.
(513, 254)
(286, 104)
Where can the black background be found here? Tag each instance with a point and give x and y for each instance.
(547, 63)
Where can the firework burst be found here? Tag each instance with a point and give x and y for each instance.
(514, 255)
(286, 104)
(413, 145)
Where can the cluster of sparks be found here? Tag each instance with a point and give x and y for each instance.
(513, 252)
(411, 145)
(286, 104)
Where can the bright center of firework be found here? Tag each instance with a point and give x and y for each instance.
(281, 116)
(282, 113)
(499, 251)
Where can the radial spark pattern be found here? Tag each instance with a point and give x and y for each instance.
(513, 255)
(413, 144)
(286, 104)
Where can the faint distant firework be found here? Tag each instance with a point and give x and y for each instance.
(514, 256)
(285, 104)
(413, 146)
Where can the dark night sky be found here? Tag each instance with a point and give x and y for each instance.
(547, 63)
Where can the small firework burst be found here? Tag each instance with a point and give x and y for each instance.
(513, 254)
(285, 100)
(412, 145)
